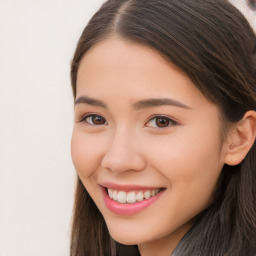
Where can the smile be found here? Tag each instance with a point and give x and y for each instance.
(130, 200)
(132, 196)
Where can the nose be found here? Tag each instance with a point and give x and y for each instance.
(122, 154)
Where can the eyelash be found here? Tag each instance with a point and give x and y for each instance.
(84, 119)
(170, 121)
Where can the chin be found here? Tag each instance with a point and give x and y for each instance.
(127, 236)
(125, 240)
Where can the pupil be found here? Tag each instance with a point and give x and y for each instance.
(162, 122)
(98, 120)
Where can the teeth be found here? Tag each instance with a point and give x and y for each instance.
(121, 197)
(110, 193)
(147, 194)
(131, 197)
(115, 195)
(139, 197)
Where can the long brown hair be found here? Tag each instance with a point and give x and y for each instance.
(252, 4)
(212, 42)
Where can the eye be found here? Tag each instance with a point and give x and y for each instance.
(160, 122)
(94, 120)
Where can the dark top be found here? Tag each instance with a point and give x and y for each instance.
(180, 250)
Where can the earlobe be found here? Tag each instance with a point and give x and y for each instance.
(241, 138)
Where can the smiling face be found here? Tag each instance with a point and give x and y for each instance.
(147, 134)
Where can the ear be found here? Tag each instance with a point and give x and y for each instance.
(240, 139)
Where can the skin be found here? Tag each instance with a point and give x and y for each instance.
(185, 156)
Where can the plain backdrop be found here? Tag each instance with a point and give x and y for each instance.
(37, 178)
(37, 41)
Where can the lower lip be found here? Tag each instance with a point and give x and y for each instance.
(128, 209)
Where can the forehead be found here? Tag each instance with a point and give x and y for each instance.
(115, 53)
(116, 67)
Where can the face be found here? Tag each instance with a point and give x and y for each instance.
(146, 143)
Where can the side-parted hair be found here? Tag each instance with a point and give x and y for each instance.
(212, 42)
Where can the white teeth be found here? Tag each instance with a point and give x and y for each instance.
(121, 197)
(110, 193)
(147, 194)
(131, 197)
(139, 197)
(115, 195)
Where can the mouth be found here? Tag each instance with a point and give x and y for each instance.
(130, 200)
(131, 197)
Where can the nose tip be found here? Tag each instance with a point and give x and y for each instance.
(121, 157)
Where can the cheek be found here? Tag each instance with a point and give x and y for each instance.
(191, 165)
(86, 153)
(191, 160)
(192, 147)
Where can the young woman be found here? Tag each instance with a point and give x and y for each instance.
(164, 133)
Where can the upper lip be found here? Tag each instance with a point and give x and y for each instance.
(127, 187)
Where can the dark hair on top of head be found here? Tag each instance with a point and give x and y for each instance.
(212, 42)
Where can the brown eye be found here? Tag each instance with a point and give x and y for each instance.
(160, 122)
(95, 120)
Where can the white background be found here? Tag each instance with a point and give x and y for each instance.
(37, 41)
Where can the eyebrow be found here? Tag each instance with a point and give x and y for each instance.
(142, 104)
(156, 102)
(90, 101)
